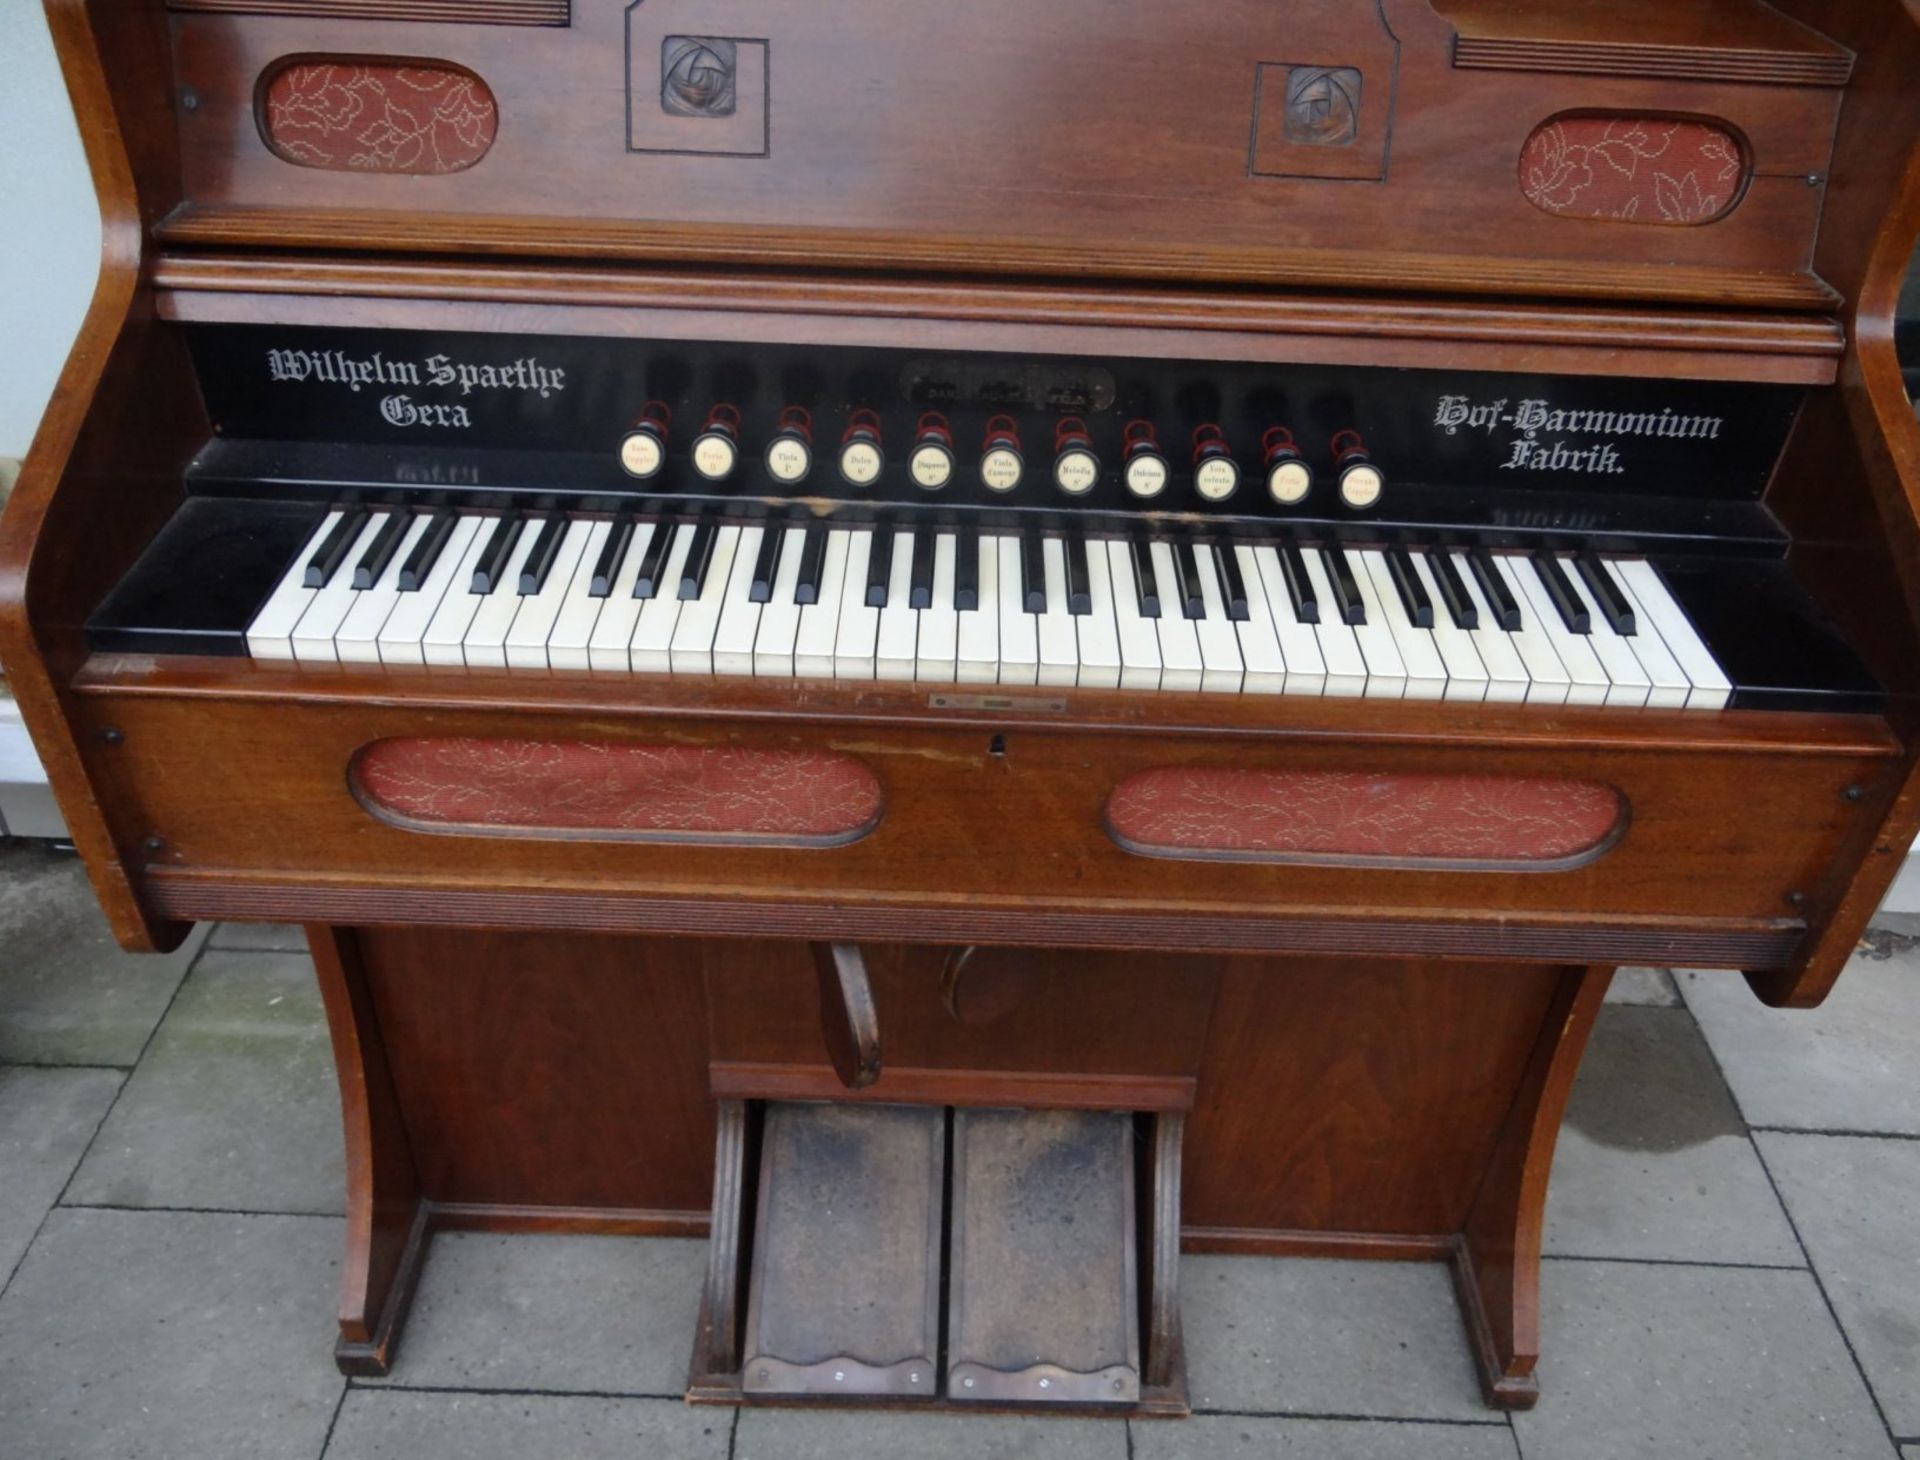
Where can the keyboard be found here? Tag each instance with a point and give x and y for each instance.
(913, 599)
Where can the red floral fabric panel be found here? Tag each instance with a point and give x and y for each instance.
(378, 116)
(1387, 819)
(1632, 169)
(620, 792)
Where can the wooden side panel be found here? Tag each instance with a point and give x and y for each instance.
(550, 1071)
(1355, 1096)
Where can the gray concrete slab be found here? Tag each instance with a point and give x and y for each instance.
(1662, 1360)
(68, 994)
(158, 1335)
(1643, 986)
(1320, 1337)
(390, 1424)
(1847, 1065)
(596, 1315)
(258, 937)
(1856, 1203)
(46, 1119)
(838, 1434)
(235, 1106)
(1653, 1159)
(1205, 1437)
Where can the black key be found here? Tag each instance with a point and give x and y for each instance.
(766, 564)
(1413, 593)
(1186, 572)
(879, 565)
(693, 573)
(1033, 572)
(1506, 610)
(966, 572)
(1079, 593)
(813, 558)
(426, 552)
(492, 566)
(1572, 607)
(539, 562)
(1146, 581)
(332, 552)
(1293, 569)
(653, 561)
(1233, 587)
(1346, 592)
(920, 582)
(1615, 606)
(386, 542)
(613, 552)
(1461, 608)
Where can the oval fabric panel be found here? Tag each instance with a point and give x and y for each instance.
(1389, 819)
(374, 114)
(1662, 170)
(598, 791)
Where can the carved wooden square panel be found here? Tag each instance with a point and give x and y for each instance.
(694, 93)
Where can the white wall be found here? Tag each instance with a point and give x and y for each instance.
(49, 224)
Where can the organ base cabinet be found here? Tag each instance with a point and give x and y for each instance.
(969, 685)
(1361, 1107)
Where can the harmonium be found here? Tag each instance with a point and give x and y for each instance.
(970, 646)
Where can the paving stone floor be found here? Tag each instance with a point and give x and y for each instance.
(1733, 1247)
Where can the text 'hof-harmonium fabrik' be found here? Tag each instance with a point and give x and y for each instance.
(969, 646)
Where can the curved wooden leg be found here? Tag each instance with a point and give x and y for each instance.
(387, 1217)
(1496, 1265)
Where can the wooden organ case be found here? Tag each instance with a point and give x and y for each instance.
(971, 646)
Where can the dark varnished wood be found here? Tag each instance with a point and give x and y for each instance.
(849, 1021)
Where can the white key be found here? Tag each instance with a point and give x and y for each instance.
(485, 646)
(358, 641)
(440, 644)
(567, 645)
(313, 635)
(1099, 637)
(739, 626)
(1670, 687)
(608, 648)
(977, 640)
(1426, 671)
(819, 630)
(691, 649)
(1548, 682)
(939, 620)
(539, 612)
(1019, 630)
(895, 642)
(401, 635)
(1502, 677)
(1628, 683)
(1588, 681)
(773, 643)
(1221, 671)
(270, 635)
(1059, 650)
(1181, 666)
(1266, 666)
(1339, 649)
(1711, 687)
(1139, 637)
(1299, 648)
(855, 645)
(651, 649)
(1386, 674)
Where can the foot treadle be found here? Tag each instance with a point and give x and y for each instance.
(1045, 1302)
(845, 1296)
